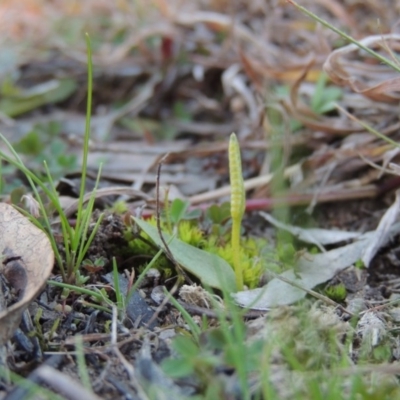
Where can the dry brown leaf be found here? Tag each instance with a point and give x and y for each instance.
(382, 232)
(304, 114)
(27, 261)
(345, 66)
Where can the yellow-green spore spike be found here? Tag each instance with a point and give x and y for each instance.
(236, 178)
(237, 205)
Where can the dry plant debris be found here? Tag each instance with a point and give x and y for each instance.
(27, 262)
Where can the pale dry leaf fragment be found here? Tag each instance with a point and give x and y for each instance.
(382, 232)
(311, 271)
(394, 168)
(198, 296)
(386, 161)
(377, 82)
(62, 383)
(233, 82)
(31, 204)
(316, 236)
(372, 328)
(27, 261)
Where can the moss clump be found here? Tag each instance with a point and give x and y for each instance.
(336, 293)
(254, 257)
(252, 265)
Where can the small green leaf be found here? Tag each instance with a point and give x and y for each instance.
(52, 91)
(178, 209)
(212, 270)
(180, 111)
(185, 346)
(324, 97)
(193, 214)
(30, 144)
(177, 368)
(218, 214)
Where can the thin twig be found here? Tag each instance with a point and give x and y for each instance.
(70, 388)
(114, 345)
(313, 293)
(164, 302)
(158, 211)
(167, 250)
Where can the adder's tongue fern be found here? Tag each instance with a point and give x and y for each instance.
(237, 205)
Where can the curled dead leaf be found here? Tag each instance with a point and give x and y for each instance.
(27, 261)
(376, 81)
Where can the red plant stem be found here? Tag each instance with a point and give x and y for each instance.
(295, 199)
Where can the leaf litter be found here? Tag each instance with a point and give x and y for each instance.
(179, 78)
(27, 261)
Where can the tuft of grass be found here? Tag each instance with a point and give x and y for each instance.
(75, 239)
(100, 299)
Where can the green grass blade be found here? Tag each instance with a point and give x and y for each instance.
(80, 360)
(347, 37)
(86, 138)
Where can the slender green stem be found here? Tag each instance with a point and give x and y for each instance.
(368, 127)
(140, 278)
(89, 304)
(82, 252)
(86, 138)
(235, 240)
(230, 318)
(84, 227)
(97, 295)
(118, 294)
(82, 367)
(167, 213)
(196, 332)
(50, 236)
(347, 37)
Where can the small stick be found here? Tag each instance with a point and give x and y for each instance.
(313, 293)
(69, 388)
(167, 250)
